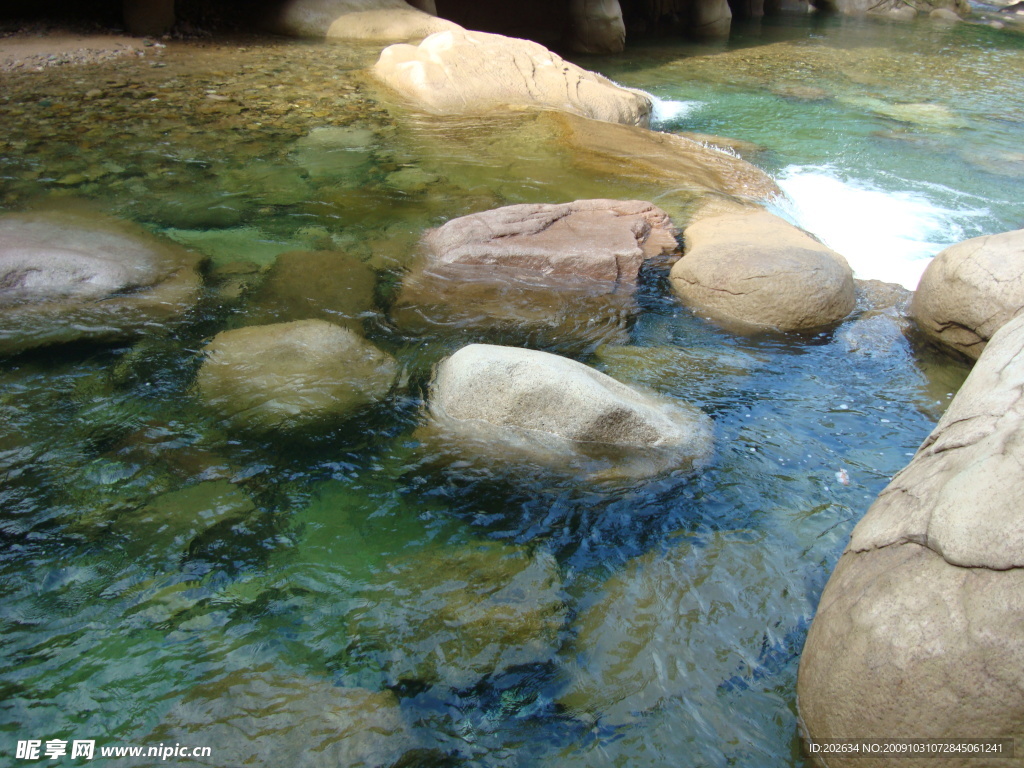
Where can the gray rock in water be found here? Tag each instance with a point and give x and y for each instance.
(756, 271)
(70, 276)
(291, 375)
(919, 633)
(970, 290)
(504, 404)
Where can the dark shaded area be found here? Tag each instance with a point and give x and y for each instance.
(546, 21)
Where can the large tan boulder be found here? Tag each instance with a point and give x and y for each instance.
(291, 375)
(920, 631)
(563, 272)
(461, 72)
(385, 20)
(511, 406)
(970, 290)
(754, 270)
(69, 276)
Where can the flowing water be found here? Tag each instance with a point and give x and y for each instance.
(165, 578)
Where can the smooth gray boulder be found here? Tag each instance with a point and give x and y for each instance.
(508, 405)
(559, 272)
(292, 375)
(970, 290)
(463, 73)
(754, 270)
(70, 276)
(920, 630)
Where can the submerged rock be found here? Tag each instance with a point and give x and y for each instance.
(560, 272)
(171, 521)
(717, 603)
(261, 717)
(291, 375)
(387, 20)
(460, 72)
(970, 290)
(72, 276)
(333, 153)
(323, 285)
(918, 633)
(479, 609)
(755, 270)
(507, 406)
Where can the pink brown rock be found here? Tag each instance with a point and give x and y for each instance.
(567, 269)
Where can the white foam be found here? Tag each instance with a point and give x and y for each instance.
(885, 235)
(669, 111)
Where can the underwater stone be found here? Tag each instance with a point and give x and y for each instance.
(718, 602)
(291, 375)
(324, 285)
(479, 609)
(263, 717)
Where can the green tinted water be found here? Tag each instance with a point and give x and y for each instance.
(165, 579)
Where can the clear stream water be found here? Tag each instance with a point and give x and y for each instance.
(166, 579)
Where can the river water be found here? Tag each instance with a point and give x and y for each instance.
(167, 579)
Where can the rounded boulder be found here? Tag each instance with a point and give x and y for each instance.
(520, 404)
(970, 290)
(292, 375)
(752, 270)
